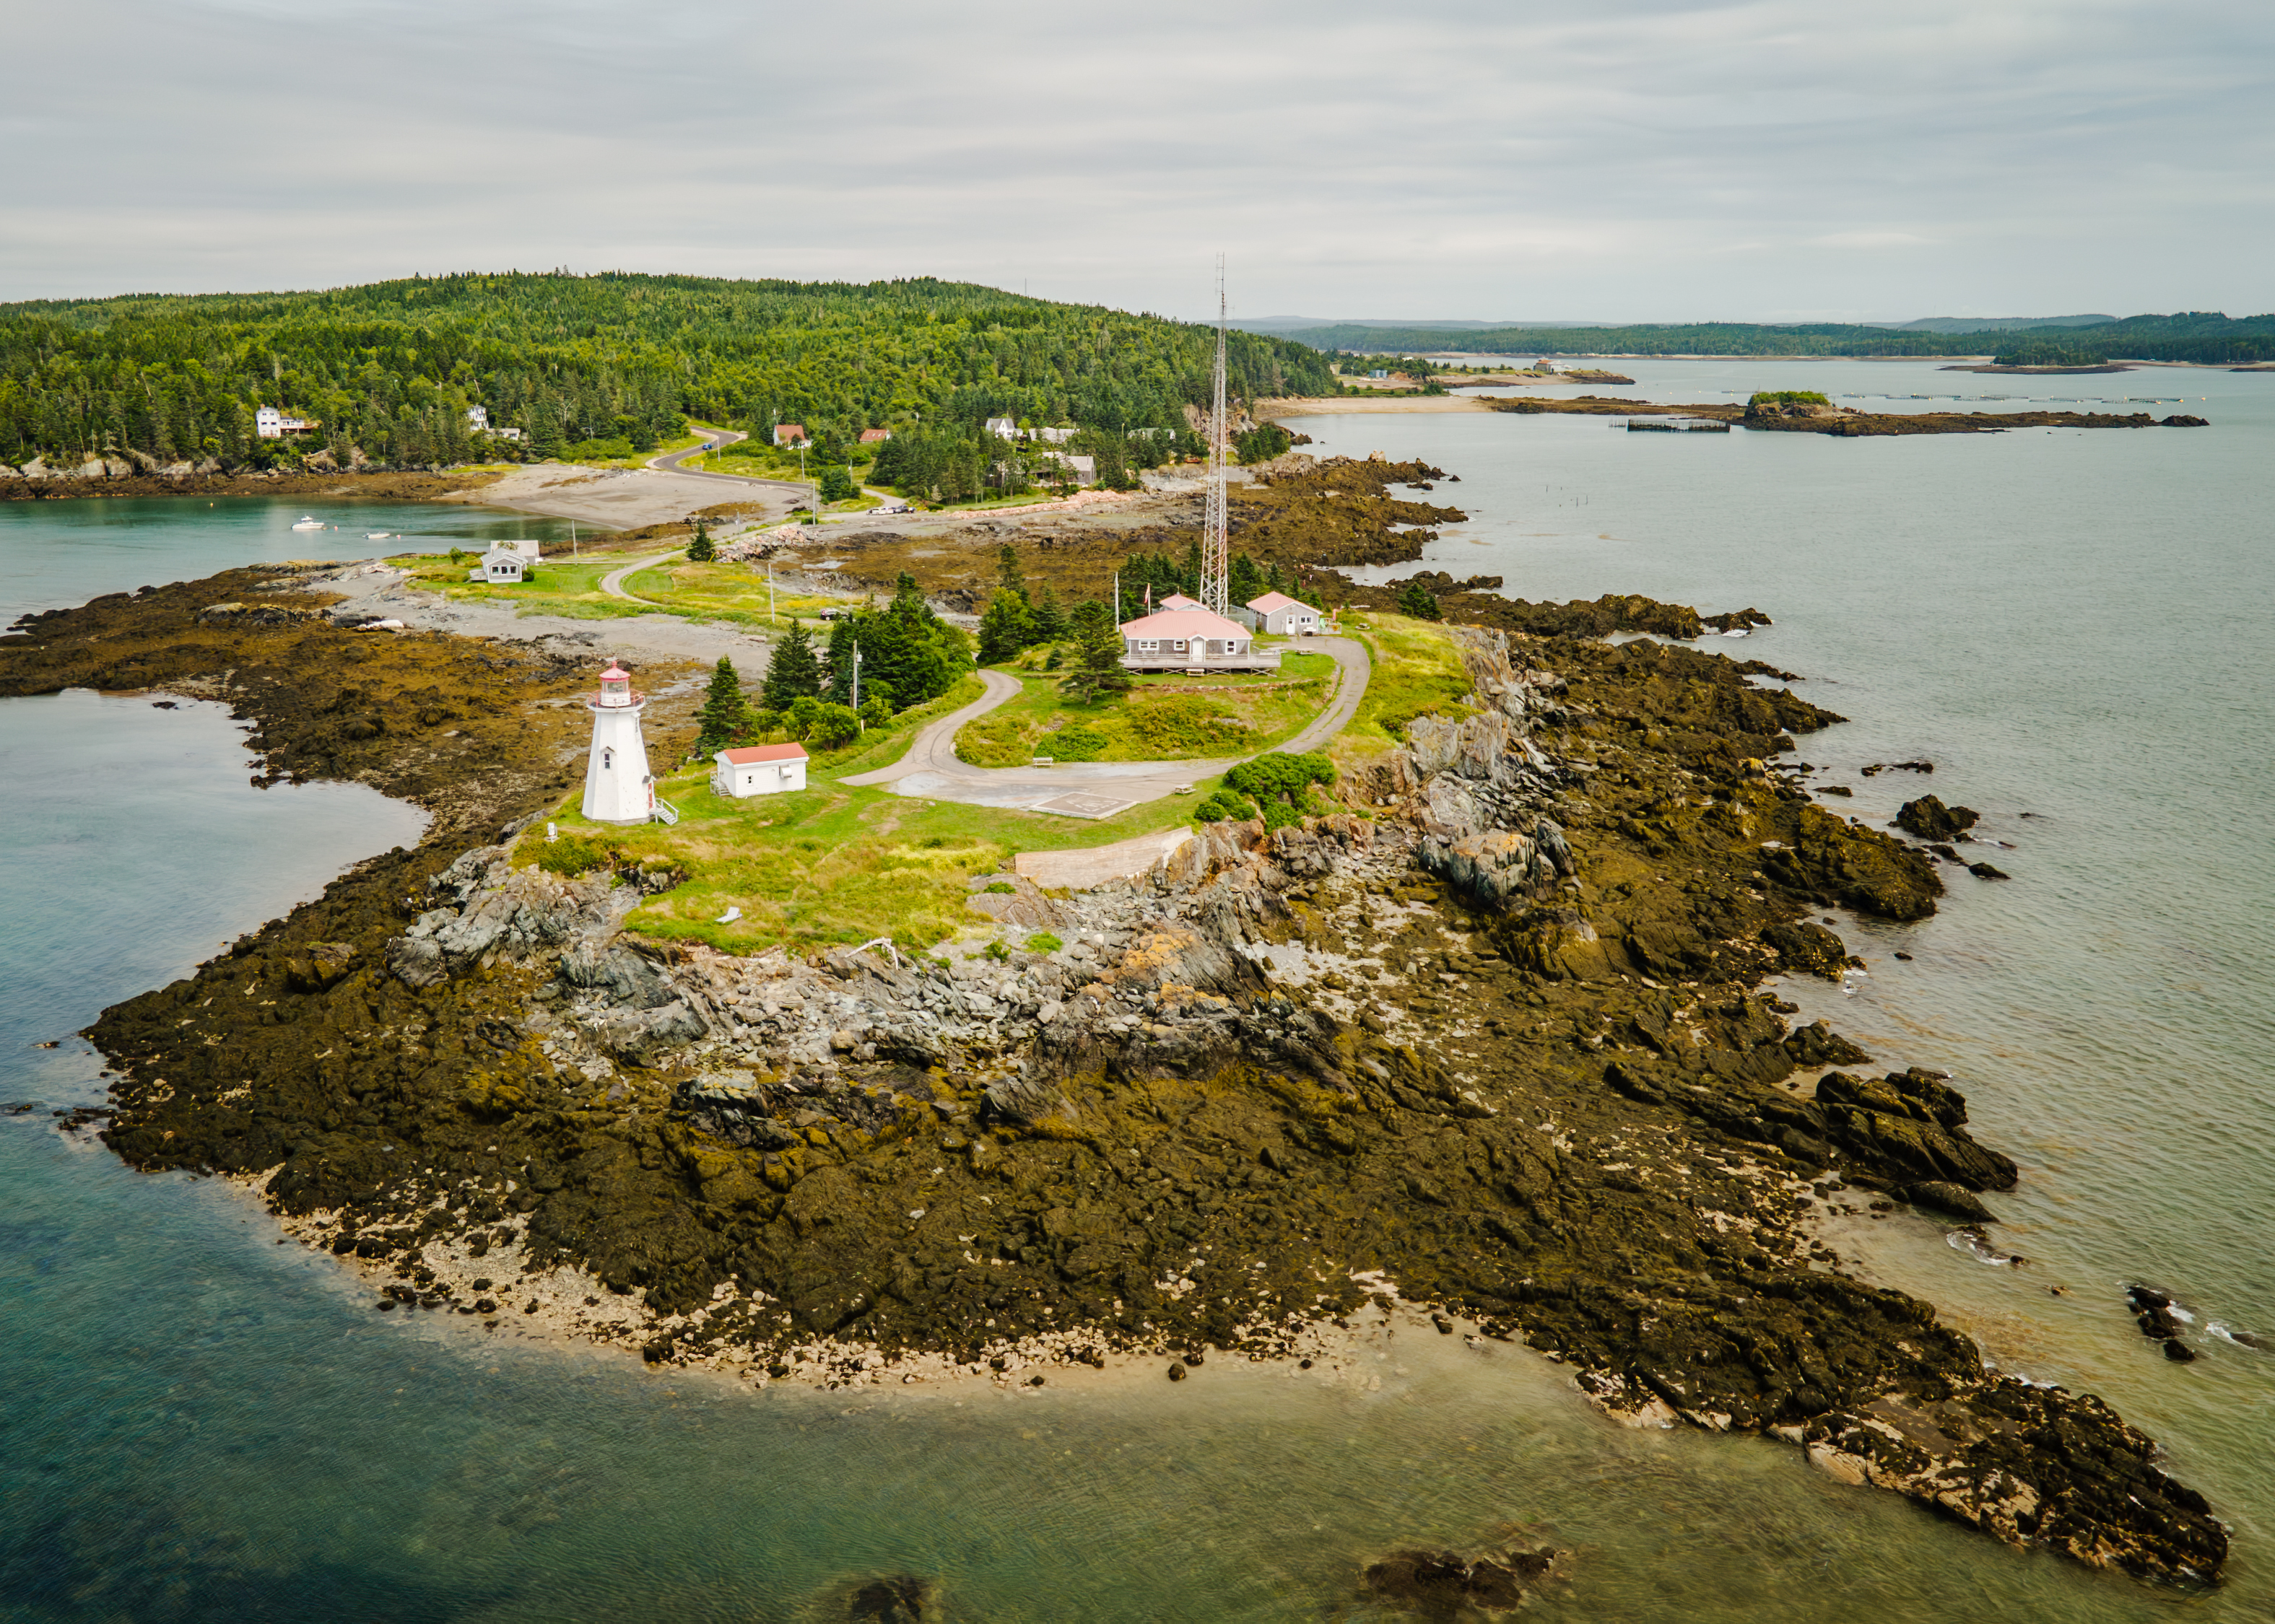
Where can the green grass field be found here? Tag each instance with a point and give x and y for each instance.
(1161, 718)
(572, 587)
(1418, 672)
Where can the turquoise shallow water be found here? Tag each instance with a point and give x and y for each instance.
(202, 1423)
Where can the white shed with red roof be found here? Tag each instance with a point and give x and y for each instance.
(761, 769)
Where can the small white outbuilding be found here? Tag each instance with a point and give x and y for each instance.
(761, 769)
(505, 562)
(1283, 616)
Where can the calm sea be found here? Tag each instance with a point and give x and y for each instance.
(202, 1423)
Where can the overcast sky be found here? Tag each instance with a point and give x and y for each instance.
(1625, 159)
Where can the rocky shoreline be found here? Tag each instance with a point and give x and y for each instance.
(1491, 1038)
(1848, 421)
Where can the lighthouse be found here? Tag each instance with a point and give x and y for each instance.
(618, 788)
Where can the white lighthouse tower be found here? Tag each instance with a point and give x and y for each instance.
(618, 787)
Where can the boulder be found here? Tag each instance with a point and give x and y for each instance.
(1929, 819)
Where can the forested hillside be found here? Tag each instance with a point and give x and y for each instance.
(2205, 337)
(390, 369)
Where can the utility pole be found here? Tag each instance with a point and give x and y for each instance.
(857, 678)
(1216, 557)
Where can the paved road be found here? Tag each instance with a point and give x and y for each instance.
(676, 462)
(613, 583)
(1351, 655)
(1089, 788)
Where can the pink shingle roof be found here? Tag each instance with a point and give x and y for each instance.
(1272, 600)
(1186, 624)
(1178, 600)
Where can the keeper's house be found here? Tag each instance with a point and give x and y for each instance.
(1192, 641)
(762, 769)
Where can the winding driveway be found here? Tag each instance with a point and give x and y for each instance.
(1090, 789)
(676, 462)
(613, 583)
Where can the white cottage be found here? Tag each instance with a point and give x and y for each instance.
(505, 562)
(1282, 615)
(761, 769)
(618, 787)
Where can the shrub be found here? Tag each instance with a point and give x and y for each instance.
(573, 855)
(837, 485)
(1185, 721)
(1223, 806)
(835, 727)
(998, 887)
(1043, 941)
(1280, 777)
(1076, 743)
(1789, 397)
(997, 951)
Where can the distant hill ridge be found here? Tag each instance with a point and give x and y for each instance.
(391, 368)
(2207, 336)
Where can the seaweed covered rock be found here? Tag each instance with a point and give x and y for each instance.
(1444, 1585)
(1852, 865)
(1930, 820)
(1911, 1125)
(1810, 948)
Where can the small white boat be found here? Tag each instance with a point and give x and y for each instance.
(374, 535)
(306, 523)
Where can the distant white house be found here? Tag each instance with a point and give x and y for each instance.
(1190, 640)
(789, 433)
(1282, 615)
(761, 769)
(478, 419)
(270, 424)
(505, 562)
(1003, 428)
(1059, 435)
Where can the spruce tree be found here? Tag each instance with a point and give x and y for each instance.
(1006, 628)
(1008, 574)
(1097, 654)
(794, 674)
(725, 717)
(1414, 598)
(700, 551)
(1050, 619)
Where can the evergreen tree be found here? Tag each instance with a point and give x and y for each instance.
(1007, 628)
(837, 485)
(794, 674)
(1050, 619)
(1246, 582)
(1414, 598)
(1008, 574)
(1097, 654)
(700, 551)
(725, 717)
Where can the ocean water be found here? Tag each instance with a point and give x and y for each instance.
(203, 1424)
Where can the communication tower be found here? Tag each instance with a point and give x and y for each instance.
(1216, 556)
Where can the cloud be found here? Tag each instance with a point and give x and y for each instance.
(1674, 158)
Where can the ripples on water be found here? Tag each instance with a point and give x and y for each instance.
(202, 1423)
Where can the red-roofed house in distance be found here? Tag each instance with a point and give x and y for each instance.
(761, 769)
(1192, 641)
(875, 436)
(789, 433)
(1282, 615)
